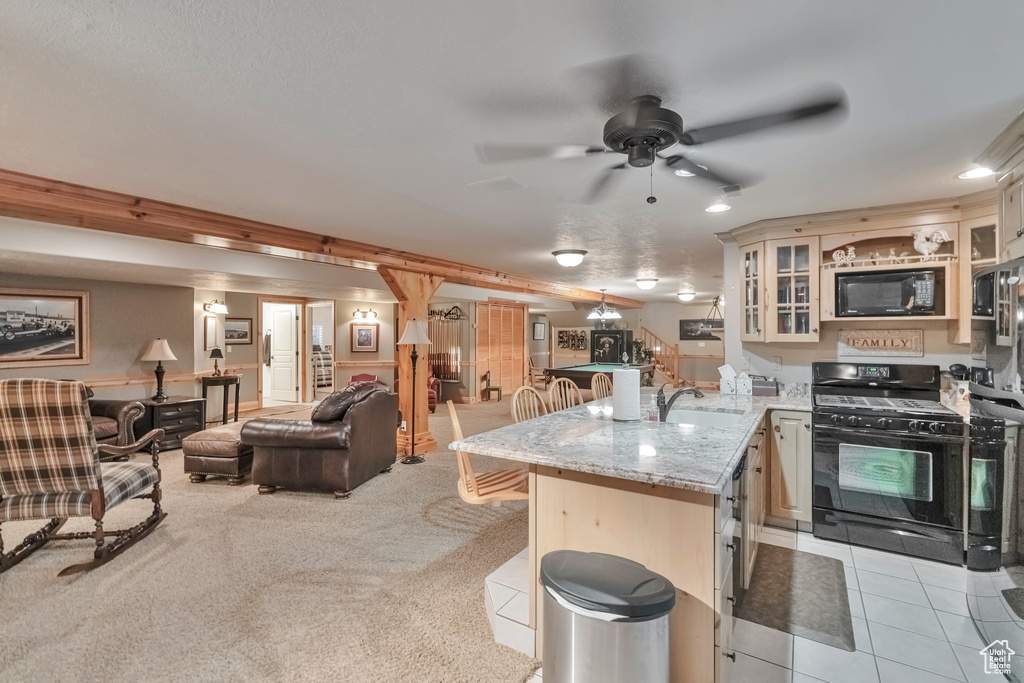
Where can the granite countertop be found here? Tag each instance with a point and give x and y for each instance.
(699, 457)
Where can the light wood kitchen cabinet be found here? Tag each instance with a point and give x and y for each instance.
(1011, 218)
(791, 303)
(791, 469)
(1005, 307)
(979, 248)
(752, 509)
(752, 273)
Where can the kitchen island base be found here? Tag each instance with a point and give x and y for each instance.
(671, 531)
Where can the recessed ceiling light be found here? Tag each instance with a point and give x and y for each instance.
(646, 282)
(718, 207)
(976, 171)
(683, 174)
(686, 296)
(569, 258)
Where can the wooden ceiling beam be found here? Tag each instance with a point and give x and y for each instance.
(53, 201)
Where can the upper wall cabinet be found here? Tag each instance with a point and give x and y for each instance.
(1011, 217)
(752, 273)
(979, 247)
(792, 313)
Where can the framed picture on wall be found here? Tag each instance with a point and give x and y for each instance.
(43, 327)
(364, 337)
(539, 331)
(238, 330)
(209, 332)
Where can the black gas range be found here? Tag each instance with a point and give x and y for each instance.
(888, 460)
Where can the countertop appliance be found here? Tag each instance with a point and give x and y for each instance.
(888, 460)
(893, 293)
(995, 523)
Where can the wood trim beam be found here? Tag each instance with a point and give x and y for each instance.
(52, 201)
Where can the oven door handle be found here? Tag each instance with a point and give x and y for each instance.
(943, 438)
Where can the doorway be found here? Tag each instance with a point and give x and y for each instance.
(320, 328)
(282, 357)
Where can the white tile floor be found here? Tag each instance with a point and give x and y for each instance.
(910, 620)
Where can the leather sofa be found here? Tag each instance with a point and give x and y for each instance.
(113, 420)
(349, 440)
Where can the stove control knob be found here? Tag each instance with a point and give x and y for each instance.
(834, 419)
(934, 427)
(915, 424)
(883, 422)
(852, 420)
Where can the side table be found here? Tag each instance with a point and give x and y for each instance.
(224, 381)
(178, 416)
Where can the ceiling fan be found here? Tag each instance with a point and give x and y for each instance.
(644, 128)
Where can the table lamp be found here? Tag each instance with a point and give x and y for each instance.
(415, 333)
(159, 350)
(216, 354)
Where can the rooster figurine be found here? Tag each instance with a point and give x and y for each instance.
(844, 258)
(927, 243)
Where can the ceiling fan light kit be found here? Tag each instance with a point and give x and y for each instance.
(570, 258)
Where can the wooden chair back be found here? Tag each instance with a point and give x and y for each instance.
(601, 385)
(466, 473)
(527, 403)
(564, 394)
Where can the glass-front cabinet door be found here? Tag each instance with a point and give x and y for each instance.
(792, 286)
(752, 280)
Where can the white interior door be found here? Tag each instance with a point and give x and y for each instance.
(284, 353)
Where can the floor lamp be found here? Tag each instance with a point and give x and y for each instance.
(415, 333)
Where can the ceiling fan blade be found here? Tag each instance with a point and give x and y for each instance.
(496, 154)
(820, 107)
(727, 182)
(600, 186)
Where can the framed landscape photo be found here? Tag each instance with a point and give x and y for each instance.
(238, 330)
(364, 337)
(43, 327)
(538, 331)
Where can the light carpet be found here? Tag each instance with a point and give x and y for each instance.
(385, 586)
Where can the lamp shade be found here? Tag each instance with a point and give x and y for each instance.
(415, 333)
(215, 352)
(158, 350)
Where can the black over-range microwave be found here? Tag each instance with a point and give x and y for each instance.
(890, 293)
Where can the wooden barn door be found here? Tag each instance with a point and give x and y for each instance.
(501, 345)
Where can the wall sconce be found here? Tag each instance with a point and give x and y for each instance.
(216, 307)
(364, 315)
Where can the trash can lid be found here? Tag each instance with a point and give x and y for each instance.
(607, 583)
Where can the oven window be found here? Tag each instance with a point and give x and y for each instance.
(886, 471)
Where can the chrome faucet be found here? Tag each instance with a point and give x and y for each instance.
(664, 407)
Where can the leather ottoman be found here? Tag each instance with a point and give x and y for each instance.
(217, 452)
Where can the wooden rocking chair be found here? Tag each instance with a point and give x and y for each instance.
(50, 468)
(489, 488)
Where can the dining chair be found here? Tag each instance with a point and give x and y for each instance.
(564, 394)
(527, 403)
(487, 488)
(601, 385)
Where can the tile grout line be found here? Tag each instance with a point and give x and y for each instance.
(929, 598)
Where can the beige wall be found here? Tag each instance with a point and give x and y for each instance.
(663, 320)
(124, 318)
(348, 363)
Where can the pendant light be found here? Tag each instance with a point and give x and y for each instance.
(715, 314)
(603, 311)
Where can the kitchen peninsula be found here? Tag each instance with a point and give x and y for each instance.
(659, 493)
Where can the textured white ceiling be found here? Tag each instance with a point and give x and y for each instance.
(358, 119)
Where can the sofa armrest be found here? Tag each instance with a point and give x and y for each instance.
(127, 413)
(296, 434)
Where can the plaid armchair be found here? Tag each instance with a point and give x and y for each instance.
(50, 468)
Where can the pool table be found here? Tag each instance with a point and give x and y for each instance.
(583, 374)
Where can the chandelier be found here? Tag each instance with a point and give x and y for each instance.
(713, 316)
(603, 311)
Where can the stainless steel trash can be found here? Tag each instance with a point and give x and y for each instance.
(606, 619)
